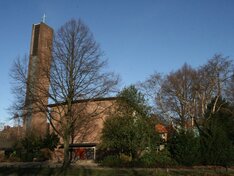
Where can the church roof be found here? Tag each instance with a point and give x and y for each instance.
(85, 100)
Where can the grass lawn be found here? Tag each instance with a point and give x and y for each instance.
(98, 171)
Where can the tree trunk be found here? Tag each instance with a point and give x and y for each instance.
(66, 161)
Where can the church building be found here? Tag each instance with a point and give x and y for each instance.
(92, 112)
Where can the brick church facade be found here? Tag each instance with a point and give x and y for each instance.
(38, 80)
(93, 112)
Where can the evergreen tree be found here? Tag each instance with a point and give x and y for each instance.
(130, 131)
(217, 144)
(184, 147)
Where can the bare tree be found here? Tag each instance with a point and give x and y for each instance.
(173, 94)
(151, 87)
(215, 77)
(18, 75)
(176, 94)
(184, 94)
(77, 72)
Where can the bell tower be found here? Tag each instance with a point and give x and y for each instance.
(38, 78)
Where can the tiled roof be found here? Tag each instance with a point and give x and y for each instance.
(160, 128)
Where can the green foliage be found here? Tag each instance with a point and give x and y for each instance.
(216, 148)
(130, 131)
(112, 161)
(184, 147)
(132, 101)
(217, 145)
(32, 143)
(128, 135)
(30, 147)
(149, 159)
(214, 145)
(156, 159)
(50, 141)
(13, 157)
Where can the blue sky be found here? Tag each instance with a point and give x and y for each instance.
(138, 37)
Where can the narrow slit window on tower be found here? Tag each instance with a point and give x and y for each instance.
(36, 40)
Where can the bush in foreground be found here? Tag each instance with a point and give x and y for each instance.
(34, 148)
(157, 159)
(184, 147)
(148, 160)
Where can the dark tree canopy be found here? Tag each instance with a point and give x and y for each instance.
(217, 144)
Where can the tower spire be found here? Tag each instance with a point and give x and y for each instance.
(37, 81)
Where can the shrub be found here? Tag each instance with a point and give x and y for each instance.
(163, 159)
(13, 157)
(112, 161)
(184, 147)
(156, 159)
(149, 159)
(217, 134)
(30, 147)
(50, 141)
(146, 160)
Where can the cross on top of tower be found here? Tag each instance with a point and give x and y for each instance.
(44, 18)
